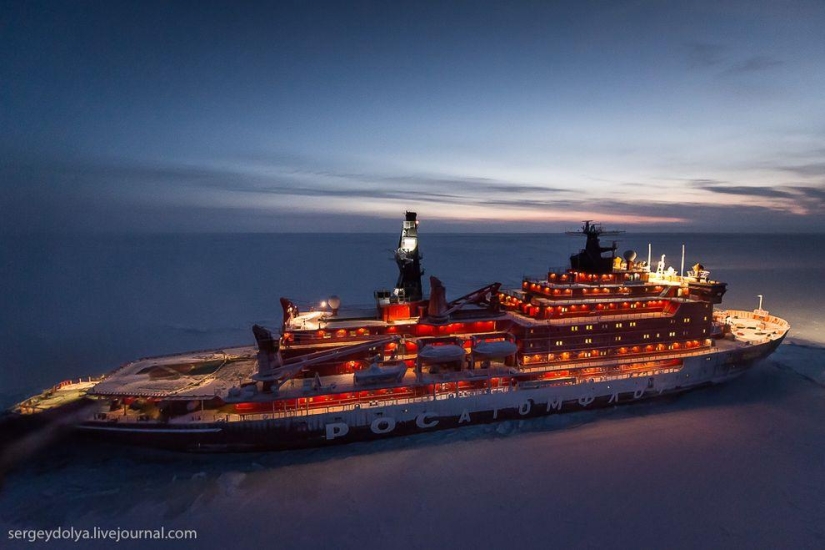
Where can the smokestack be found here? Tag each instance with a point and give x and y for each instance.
(269, 357)
(437, 308)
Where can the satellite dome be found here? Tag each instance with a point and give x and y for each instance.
(629, 255)
(334, 303)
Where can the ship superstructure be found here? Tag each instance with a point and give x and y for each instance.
(608, 330)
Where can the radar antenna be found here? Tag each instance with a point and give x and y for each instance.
(589, 259)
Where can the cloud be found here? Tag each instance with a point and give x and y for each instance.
(800, 200)
(134, 196)
(813, 197)
(283, 164)
(702, 55)
(709, 217)
(57, 194)
(745, 191)
(753, 64)
(476, 184)
(704, 182)
(811, 169)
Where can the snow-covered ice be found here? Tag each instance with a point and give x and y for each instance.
(741, 465)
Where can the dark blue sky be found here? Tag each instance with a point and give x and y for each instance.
(294, 116)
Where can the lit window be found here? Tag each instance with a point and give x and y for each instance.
(632, 323)
(588, 340)
(618, 325)
(574, 329)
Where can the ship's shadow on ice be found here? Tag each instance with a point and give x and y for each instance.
(108, 481)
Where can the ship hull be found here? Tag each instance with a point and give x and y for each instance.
(263, 432)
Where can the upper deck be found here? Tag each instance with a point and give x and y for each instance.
(749, 333)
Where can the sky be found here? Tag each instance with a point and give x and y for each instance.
(481, 116)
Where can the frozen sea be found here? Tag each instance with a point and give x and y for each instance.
(736, 466)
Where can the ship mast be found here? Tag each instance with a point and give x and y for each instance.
(590, 259)
(408, 258)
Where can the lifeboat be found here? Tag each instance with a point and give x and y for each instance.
(494, 350)
(441, 354)
(375, 373)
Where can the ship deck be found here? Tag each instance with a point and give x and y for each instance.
(179, 377)
(62, 394)
(753, 327)
(351, 318)
(185, 376)
(202, 376)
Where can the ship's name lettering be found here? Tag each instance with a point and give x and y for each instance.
(426, 420)
(384, 424)
(337, 429)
